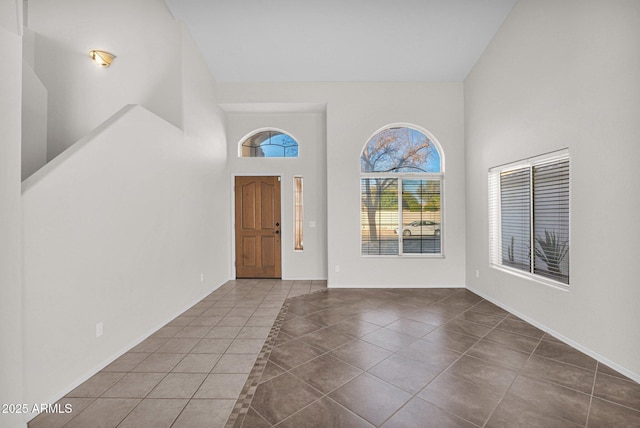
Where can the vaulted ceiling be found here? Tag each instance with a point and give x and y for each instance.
(341, 40)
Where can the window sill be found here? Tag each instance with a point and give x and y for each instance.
(403, 256)
(533, 277)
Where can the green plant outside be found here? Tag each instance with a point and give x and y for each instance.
(551, 250)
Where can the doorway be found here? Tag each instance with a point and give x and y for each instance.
(257, 227)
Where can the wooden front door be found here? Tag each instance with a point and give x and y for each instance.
(258, 227)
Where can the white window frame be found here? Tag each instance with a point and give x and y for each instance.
(432, 176)
(495, 219)
(409, 176)
(298, 221)
(267, 129)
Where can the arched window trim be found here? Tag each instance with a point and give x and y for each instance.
(428, 134)
(267, 129)
(399, 178)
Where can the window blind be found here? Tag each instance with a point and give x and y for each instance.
(515, 218)
(379, 215)
(421, 217)
(495, 246)
(551, 220)
(529, 204)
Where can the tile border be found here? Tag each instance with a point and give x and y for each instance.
(241, 408)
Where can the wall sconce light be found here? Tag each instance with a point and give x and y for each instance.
(101, 58)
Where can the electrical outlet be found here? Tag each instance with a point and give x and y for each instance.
(201, 277)
(337, 268)
(477, 273)
(99, 329)
(312, 223)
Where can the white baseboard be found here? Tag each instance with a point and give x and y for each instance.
(302, 278)
(123, 350)
(330, 285)
(628, 373)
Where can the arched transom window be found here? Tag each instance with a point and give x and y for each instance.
(270, 143)
(401, 173)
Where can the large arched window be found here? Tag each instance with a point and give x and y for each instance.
(401, 173)
(270, 143)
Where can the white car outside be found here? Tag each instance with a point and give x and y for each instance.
(420, 228)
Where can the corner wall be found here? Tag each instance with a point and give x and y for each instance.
(34, 111)
(122, 228)
(11, 367)
(81, 95)
(354, 112)
(557, 75)
(112, 234)
(205, 128)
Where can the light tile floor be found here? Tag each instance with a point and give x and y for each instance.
(252, 355)
(191, 371)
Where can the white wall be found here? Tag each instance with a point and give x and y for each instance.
(34, 110)
(121, 227)
(354, 112)
(565, 74)
(34, 122)
(11, 382)
(204, 128)
(309, 131)
(112, 234)
(143, 36)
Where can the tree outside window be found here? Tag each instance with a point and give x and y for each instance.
(400, 193)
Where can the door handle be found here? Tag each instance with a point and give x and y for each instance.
(277, 232)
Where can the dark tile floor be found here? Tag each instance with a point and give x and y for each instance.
(349, 358)
(425, 358)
